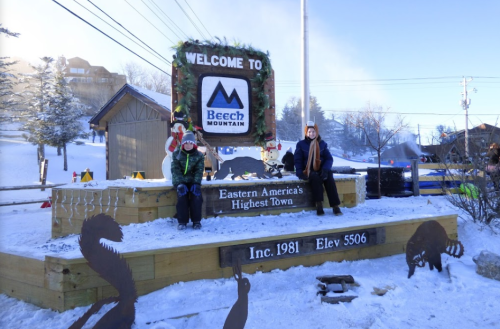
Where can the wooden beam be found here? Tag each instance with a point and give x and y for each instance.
(28, 187)
(15, 203)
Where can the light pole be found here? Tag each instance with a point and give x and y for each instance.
(305, 66)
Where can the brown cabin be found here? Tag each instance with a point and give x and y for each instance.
(137, 125)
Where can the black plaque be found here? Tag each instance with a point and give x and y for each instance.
(302, 246)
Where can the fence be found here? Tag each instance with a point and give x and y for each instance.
(26, 187)
(443, 184)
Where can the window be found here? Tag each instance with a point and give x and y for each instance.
(76, 70)
(104, 80)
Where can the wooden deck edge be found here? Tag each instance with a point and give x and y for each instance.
(59, 260)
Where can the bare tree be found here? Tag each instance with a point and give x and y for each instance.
(370, 121)
(135, 73)
(438, 134)
(149, 79)
(158, 81)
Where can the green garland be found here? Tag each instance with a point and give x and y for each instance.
(187, 85)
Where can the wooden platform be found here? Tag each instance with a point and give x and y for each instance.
(70, 206)
(62, 284)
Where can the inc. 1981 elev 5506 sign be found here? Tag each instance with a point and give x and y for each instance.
(301, 246)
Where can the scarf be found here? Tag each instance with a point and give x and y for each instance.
(313, 153)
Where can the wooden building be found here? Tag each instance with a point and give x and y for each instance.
(137, 125)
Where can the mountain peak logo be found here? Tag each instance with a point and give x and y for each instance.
(220, 99)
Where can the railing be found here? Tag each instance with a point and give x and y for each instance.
(26, 187)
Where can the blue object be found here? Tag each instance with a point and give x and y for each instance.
(195, 189)
(182, 190)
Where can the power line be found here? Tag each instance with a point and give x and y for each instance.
(123, 27)
(161, 20)
(112, 39)
(192, 22)
(199, 19)
(394, 79)
(165, 14)
(149, 22)
(157, 56)
(402, 113)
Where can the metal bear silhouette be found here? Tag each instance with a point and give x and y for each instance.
(113, 268)
(238, 315)
(427, 244)
(240, 166)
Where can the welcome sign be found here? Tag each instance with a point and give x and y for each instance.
(225, 104)
(227, 91)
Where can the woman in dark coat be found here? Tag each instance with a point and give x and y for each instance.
(313, 162)
(187, 172)
(493, 167)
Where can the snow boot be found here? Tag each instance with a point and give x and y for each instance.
(197, 226)
(319, 208)
(336, 211)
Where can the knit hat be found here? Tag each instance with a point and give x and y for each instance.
(188, 138)
(289, 149)
(311, 124)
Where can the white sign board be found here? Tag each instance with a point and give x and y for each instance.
(225, 104)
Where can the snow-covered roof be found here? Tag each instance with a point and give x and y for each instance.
(157, 101)
(161, 99)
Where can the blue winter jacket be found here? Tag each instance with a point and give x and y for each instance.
(302, 153)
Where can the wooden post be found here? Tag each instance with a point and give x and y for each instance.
(414, 177)
(43, 173)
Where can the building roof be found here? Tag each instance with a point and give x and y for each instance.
(157, 101)
(404, 150)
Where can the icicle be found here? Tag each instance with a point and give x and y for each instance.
(63, 201)
(92, 201)
(77, 202)
(133, 195)
(116, 204)
(100, 202)
(109, 200)
(71, 207)
(55, 205)
(85, 205)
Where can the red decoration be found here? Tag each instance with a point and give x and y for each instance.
(47, 204)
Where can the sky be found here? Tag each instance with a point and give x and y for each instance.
(407, 57)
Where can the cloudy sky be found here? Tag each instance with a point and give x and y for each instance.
(406, 56)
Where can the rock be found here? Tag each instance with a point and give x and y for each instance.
(488, 264)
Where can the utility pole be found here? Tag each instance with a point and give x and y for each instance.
(305, 66)
(465, 102)
(419, 141)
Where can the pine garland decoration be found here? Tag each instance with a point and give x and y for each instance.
(187, 86)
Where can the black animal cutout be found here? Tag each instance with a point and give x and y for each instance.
(240, 166)
(238, 315)
(427, 244)
(108, 263)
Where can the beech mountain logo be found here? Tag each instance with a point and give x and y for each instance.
(220, 99)
(221, 113)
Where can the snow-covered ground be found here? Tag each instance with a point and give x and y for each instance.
(458, 298)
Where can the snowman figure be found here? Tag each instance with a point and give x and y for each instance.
(270, 157)
(178, 127)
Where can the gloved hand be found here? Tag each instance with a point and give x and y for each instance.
(181, 190)
(195, 189)
(324, 174)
